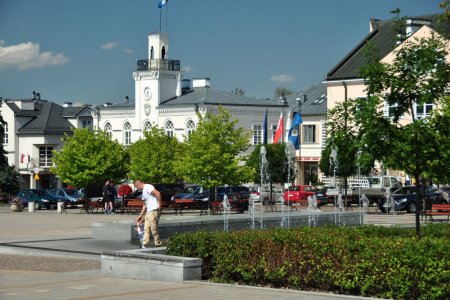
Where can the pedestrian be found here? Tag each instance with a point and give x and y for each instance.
(113, 192)
(407, 180)
(106, 191)
(152, 210)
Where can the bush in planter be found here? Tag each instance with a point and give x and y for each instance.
(369, 260)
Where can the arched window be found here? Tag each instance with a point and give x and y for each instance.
(108, 129)
(147, 126)
(190, 127)
(169, 128)
(152, 53)
(127, 134)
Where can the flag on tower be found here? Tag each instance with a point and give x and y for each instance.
(22, 156)
(279, 131)
(162, 3)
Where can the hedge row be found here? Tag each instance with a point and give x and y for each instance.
(366, 261)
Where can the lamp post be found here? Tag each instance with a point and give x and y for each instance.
(300, 102)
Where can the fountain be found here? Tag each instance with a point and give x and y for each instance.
(338, 208)
(364, 207)
(312, 208)
(389, 204)
(226, 212)
(290, 164)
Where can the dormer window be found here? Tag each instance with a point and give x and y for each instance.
(152, 53)
(163, 52)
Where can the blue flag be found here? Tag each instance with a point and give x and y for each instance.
(294, 132)
(265, 129)
(162, 3)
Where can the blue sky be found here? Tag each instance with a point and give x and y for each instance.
(85, 51)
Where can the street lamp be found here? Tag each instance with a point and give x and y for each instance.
(300, 102)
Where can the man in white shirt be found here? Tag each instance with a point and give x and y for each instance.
(152, 210)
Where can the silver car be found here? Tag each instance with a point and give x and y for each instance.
(69, 195)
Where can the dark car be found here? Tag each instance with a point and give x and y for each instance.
(321, 195)
(238, 196)
(70, 196)
(189, 192)
(40, 197)
(405, 198)
(167, 191)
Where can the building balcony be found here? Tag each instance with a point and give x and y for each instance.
(158, 64)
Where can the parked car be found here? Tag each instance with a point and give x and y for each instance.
(167, 190)
(238, 196)
(70, 196)
(296, 193)
(40, 197)
(268, 197)
(189, 192)
(322, 197)
(405, 199)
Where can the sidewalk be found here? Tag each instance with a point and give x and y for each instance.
(47, 255)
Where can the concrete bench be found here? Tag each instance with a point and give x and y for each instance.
(150, 264)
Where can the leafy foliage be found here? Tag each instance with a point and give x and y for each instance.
(211, 155)
(277, 165)
(418, 75)
(367, 261)
(152, 158)
(89, 157)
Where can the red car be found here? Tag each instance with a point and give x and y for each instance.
(298, 193)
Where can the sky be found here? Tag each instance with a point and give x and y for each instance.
(85, 51)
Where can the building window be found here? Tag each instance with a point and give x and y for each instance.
(257, 134)
(108, 129)
(127, 134)
(169, 128)
(147, 126)
(309, 133)
(389, 109)
(86, 124)
(423, 110)
(45, 156)
(5, 132)
(190, 127)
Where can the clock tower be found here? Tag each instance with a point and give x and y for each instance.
(157, 79)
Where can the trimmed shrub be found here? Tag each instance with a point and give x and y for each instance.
(366, 261)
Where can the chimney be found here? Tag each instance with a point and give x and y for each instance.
(34, 95)
(201, 82)
(67, 104)
(127, 99)
(38, 95)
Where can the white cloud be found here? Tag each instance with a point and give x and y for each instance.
(282, 78)
(27, 56)
(110, 45)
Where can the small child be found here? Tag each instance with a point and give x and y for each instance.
(140, 231)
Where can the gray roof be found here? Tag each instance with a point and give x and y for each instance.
(210, 96)
(316, 100)
(47, 118)
(74, 111)
(383, 37)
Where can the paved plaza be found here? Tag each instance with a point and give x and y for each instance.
(47, 255)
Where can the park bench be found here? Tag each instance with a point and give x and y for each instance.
(87, 205)
(132, 205)
(438, 210)
(183, 204)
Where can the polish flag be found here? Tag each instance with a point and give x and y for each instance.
(22, 156)
(279, 131)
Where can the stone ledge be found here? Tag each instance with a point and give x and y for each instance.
(150, 264)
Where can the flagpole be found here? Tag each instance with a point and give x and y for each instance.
(167, 11)
(160, 20)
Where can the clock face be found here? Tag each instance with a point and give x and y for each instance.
(147, 93)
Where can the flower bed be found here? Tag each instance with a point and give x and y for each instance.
(367, 261)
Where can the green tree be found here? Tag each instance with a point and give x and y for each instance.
(282, 91)
(418, 76)
(277, 169)
(152, 158)
(212, 154)
(89, 157)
